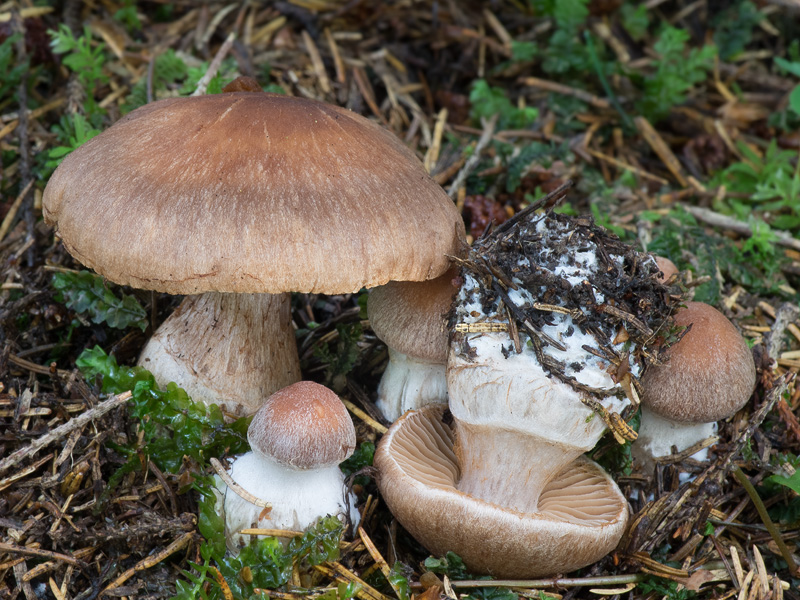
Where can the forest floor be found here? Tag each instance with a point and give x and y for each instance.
(677, 121)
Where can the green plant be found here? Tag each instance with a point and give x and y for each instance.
(452, 566)
(676, 71)
(488, 101)
(733, 27)
(82, 57)
(678, 236)
(341, 356)
(265, 564)
(792, 67)
(174, 426)
(168, 69)
(72, 130)
(664, 588)
(89, 294)
(768, 184)
(11, 67)
(635, 20)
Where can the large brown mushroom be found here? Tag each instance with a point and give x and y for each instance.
(236, 199)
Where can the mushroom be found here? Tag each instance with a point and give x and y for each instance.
(411, 319)
(234, 200)
(666, 268)
(706, 376)
(579, 516)
(298, 438)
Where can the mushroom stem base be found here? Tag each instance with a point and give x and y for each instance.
(528, 464)
(233, 350)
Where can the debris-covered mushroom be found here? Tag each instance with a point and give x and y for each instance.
(236, 199)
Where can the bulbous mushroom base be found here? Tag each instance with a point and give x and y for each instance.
(298, 497)
(581, 513)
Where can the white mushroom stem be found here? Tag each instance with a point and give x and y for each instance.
(516, 427)
(298, 497)
(657, 436)
(409, 383)
(233, 350)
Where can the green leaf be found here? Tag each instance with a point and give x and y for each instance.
(87, 293)
(793, 482)
(794, 100)
(788, 66)
(399, 581)
(488, 101)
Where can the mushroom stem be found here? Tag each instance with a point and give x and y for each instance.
(409, 383)
(529, 464)
(233, 350)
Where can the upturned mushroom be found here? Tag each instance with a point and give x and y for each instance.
(234, 200)
(705, 377)
(298, 438)
(411, 319)
(579, 516)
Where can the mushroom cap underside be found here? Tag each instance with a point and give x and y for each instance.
(251, 192)
(582, 514)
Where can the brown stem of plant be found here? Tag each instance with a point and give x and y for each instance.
(765, 518)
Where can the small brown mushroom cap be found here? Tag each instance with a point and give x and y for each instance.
(708, 375)
(666, 266)
(303, 426)
(411, 317)
(251, 192)
(581, 516)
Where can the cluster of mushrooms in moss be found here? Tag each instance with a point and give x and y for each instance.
(235, 200)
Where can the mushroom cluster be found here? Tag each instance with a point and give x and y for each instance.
(235, 200)
(297, 438)
(549, 333)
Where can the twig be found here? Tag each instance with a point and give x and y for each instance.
(151, 561)
(12, 212)
(364, 417)
(48, 554)
(202, 85)
(472, 161)
(235, 487)
(716, 219)
(765, 518)
(545, 583)
(64, 430)
(560, 88)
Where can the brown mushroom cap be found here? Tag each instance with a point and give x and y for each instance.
(666, 266)
(581, 515)
(251, 192)
(708, 375)
(410, 316)
(303, 426)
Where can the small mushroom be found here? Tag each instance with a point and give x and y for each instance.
(235, 200)
(666, 268)
(706, 376)
(298, 438)
(411, 319)
(579, 516)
